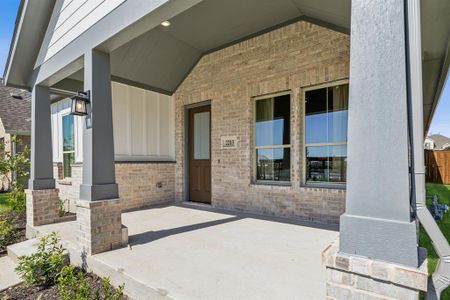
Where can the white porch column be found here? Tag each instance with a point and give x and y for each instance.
(99, 209)
(42, 197)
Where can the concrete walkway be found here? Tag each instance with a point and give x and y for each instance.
(8, 276)
(186, 253)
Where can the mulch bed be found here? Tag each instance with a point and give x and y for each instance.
(22, 292)
(20, 219)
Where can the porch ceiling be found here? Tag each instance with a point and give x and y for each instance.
(167, 54)
(173, 51)
(161, 58)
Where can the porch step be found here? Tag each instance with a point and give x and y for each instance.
(8, 276)
(27, 247)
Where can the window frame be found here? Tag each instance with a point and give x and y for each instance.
(62, 144)
(303, 182)
(283, 146)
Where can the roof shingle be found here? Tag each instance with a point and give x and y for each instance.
(15, 110)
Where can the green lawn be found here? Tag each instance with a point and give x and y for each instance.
(4, 205)
(443, 192)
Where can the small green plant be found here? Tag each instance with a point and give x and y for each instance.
(17, 198)
(43, 267)
(61, 211)
(14, 166)
(108, 292)
(73, 284)
(9, 233)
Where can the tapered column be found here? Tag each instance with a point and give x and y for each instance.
(377, 222)
(98, 143)
(41, 169)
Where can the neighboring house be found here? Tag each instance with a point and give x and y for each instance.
(428, 144)
(15, 124)
(239, 105)
(437, 142)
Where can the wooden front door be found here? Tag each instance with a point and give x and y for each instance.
(200, 154)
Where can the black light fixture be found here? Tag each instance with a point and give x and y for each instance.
(80, 104)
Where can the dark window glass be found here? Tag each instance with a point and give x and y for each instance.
(274, 164)
(316, 116)
(273, 117)
(326, 163)
(272, 139)
(68, 160)
(326, 117)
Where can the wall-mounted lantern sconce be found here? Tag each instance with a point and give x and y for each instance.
(80, 104)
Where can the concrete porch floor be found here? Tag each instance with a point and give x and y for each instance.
(185, 252)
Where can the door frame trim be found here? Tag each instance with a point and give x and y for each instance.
(186, 167)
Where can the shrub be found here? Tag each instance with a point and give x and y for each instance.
(61, 208)
(108, 291)
(43, 267)
(9, 233)
(73, 284)
(17, 198)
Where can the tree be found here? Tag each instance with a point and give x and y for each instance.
(13, 167)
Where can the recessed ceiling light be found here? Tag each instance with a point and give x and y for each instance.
(165, 23)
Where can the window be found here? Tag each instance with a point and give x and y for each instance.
(273, 139)
(326, 114)
(68, 144)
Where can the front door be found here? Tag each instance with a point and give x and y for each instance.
(200, 154)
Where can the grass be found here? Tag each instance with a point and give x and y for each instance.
(443, 193)
(4, 204)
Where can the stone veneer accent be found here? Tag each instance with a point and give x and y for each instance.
(286, 59)
(356, 277)
(138, 184)
(42, 206)
(99, 225)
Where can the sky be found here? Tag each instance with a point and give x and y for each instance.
(8, 11)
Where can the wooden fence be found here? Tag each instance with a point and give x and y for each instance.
(437, 165)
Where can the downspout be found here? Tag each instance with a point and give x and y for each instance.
(441, 277)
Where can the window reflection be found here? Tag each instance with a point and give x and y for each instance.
(326, 117)
(272, 138)
(273, 164)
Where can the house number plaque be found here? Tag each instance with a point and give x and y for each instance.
(228, 142)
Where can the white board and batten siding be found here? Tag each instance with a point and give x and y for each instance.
(74, 18)
(143, 124)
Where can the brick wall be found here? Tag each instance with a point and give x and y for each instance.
(140, 184)
(144, 184)
(290, 58)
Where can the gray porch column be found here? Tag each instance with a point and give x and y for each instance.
(99, 209)
(377, 256)
(377, 223)
(99, 181)
(42, 201)
(41, 169)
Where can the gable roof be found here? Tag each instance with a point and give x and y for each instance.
(440, 141)
(15, 110)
